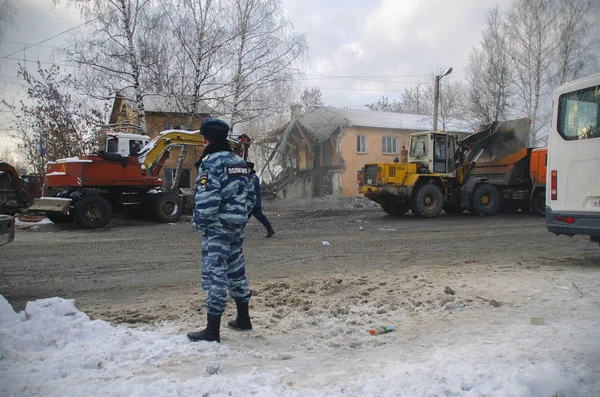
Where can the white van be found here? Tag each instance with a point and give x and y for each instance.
(573, 176)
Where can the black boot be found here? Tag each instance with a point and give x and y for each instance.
(210, 333)
(242, 321)
(270, 231)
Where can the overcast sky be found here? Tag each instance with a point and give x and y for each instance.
(359, 49)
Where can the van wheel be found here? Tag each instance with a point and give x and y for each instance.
(395, 208)
(92, 212)
(485, 200)
(427, 200)
(166, 207)
(538, 205)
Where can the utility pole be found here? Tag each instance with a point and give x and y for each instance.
(436, 97)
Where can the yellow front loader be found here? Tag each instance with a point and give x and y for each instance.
(479, 173)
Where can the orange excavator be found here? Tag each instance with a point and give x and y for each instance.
(122, 178)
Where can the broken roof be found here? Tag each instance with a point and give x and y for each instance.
(322, 122)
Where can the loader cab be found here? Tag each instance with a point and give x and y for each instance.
(127, 145)
(433, 152)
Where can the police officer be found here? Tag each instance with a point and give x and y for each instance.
(224, 198)
(257, 210)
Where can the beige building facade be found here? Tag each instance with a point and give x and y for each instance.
(321, 151)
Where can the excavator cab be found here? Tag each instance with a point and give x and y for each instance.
(433, 152)
(127, 145)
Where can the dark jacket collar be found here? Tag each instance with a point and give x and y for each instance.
(214, 147)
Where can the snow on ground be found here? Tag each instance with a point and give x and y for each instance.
(311, 339)
(44, 221)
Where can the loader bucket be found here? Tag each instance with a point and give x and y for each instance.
(50, 204)
(507, 138)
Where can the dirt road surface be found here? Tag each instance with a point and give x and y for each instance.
(460, 290)
(137, 272)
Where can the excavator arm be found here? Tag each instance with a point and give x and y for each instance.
(156, 152)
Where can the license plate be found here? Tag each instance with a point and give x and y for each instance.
(4, 238)
(596, 202)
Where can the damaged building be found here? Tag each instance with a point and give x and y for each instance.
(321, 151)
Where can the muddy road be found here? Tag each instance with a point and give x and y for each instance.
(139, 272)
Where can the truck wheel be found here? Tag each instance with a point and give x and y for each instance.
(92, 212)
(485, 199)
(59, 217)
(538, 204)
(395, 208)
(166, 207)
(427, 200)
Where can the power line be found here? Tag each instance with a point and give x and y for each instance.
(367, 76)
(353, 89)
(50, 38)
(42, 62)
(33, 45)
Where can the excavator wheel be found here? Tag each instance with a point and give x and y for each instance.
(92, 212)
(485, 200)
(166, 207)
(538, 204)
(395, 208)
(427, 200)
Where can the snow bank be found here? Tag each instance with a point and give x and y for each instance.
(44, 221)
(53, 349)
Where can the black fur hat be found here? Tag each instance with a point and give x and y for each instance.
(214, 129)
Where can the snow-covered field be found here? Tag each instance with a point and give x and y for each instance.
(311, 339)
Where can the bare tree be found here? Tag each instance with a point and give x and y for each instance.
(417, 99)
(7, 13)
(198, 56)
(532, 47)
(311, 98)
(489, 73)
(115, 56)
(264, 53)
(452, 103)
(50, 122)
(383, 104)
(575, 42)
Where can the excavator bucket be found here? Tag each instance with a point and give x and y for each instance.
(50, 204)
(504, 139)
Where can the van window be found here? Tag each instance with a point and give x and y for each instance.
(579, 114)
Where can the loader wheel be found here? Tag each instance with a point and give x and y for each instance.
(450, 209)
(59, 217)
(92, 212)
(395, 208)
(166, 207)
(427, 200)
(538, 204)
(485, 200)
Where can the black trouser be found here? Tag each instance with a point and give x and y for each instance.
(258, 214)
